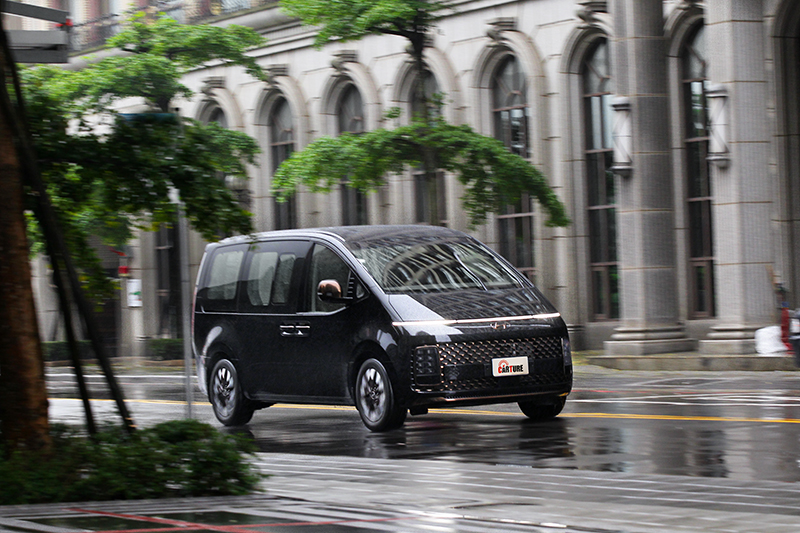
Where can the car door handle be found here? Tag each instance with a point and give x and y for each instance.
(295, 330)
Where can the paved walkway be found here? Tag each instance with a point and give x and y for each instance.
(358, 495)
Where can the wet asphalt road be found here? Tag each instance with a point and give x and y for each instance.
(741, 426)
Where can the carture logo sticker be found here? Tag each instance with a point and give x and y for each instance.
(510, 366)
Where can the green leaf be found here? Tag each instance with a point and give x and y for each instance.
(492, 176)
(109, 174)
(349, 20)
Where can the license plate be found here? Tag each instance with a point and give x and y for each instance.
(510, 366)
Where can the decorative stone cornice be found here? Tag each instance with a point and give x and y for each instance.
(689, 4)
(341, 58)
(211, 83)
(596, 6)
(427, 42)
(274, 71)
(589, 10)
(498, 26)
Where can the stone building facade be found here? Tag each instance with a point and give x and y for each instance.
(669, 128)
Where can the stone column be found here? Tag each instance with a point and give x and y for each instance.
(132, 319)
(645, 216)
(742, 188)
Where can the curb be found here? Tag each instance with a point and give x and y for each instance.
(695, 361)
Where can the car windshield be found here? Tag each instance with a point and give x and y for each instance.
(401, 267)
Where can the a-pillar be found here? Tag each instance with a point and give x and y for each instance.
(743, 203)
(645, 215)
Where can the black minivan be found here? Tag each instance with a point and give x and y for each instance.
(394, 319)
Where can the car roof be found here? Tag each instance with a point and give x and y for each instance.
(353, 234)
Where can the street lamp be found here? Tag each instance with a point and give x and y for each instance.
(623, 136)
(718, 148)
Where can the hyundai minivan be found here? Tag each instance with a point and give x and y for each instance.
(392, 319)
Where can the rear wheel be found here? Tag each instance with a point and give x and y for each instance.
(375, 398)
(225, 393)
(543, 411)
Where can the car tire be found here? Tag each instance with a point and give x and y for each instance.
(226, 397)
(375, 399)
(543, 411)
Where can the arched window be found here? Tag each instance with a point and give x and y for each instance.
(350, 111)
(427, 86)
(218, 115)
(510, 109)
(601, 189)
(510, 115)
(281, 147)
(167, 245)
(698, 197)
(350, 118)
(238, 186)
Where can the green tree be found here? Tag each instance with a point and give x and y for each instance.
(23, 397)
(109, 173)
(492, 176)
(106, 173)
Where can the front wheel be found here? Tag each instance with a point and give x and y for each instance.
(225, 393)
(543, 411)
(375, 398)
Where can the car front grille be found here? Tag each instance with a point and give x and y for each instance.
(466, 366)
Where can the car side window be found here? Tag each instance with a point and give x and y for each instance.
(217, 289)
(283, 278)
(261, 278)
(271, 272)
(325, 264)
(224, 275)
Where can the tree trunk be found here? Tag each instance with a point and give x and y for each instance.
(23, 395)
(429, 160)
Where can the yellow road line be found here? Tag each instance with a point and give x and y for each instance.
(686, 418)
(611, 416)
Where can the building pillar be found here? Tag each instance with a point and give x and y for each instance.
(132, 313)
(645, 215)
(742, 187)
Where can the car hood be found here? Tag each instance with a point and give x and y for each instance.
(471, 305)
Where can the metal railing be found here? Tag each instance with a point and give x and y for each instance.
(93, 34)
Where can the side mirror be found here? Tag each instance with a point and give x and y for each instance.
(330, 291)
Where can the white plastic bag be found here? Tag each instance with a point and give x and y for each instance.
(768, 341)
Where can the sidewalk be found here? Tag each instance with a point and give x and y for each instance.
(360, 495)
(691, 361)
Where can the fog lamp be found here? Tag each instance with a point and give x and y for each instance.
(426, 365)
(567, 349)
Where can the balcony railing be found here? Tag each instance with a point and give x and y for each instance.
(94, 33)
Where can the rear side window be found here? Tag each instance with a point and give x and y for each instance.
(261, 278)
(283, 279)
(270, 278)
(224, 275)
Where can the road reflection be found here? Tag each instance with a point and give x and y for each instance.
(724, 428)
(754, 450)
